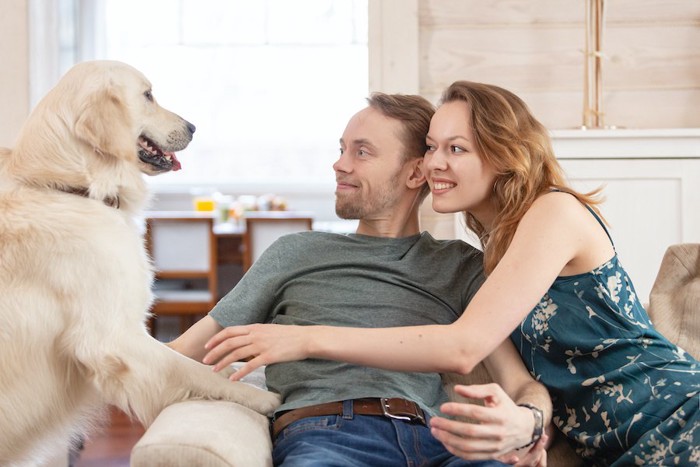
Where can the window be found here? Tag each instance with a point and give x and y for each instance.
(270, 84)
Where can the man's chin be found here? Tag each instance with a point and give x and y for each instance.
(347, 216)
(347, 212)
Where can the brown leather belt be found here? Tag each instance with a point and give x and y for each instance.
(400, 409)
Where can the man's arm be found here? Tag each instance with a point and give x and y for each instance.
(250, 301)
(191, 343)
(505, 366)
(502, 427)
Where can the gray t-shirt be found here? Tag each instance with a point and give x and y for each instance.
(354, 280)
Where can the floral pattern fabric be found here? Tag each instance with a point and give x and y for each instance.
(623, 394)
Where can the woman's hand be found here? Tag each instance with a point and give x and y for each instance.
(260, 344)
(500, 427)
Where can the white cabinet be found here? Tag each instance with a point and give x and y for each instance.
(651, 182)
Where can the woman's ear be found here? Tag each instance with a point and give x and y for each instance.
(416, 177)
(106, 126)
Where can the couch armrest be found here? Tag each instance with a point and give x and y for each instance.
(205, 433)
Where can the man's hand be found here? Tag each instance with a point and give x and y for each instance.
(535, 457)
(259, 344)
(500, 427)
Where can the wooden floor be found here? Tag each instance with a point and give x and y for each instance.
(111, 446)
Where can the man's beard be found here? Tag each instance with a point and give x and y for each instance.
(358, 207)
(347, 209)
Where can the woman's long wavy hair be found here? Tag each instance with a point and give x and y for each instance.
(509, 138)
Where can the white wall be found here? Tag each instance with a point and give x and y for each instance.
(14, 77)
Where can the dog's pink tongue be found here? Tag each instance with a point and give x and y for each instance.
(176, 163)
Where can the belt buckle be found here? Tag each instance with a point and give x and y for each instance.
(384, 401)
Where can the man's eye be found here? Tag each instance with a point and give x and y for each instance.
(148, 95)
(341, 151)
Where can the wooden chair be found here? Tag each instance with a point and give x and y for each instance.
(262, 229)
(184, 255)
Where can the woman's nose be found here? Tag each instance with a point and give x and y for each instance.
(434, 161)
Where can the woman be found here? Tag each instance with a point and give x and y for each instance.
(622, 393)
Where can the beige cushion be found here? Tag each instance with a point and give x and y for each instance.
(205, 434)
(674, 303)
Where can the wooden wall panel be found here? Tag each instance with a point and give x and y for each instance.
(658, 56)
(525, 58)
(510, 12)
(623, 109)
(651, 73)
(504, 12)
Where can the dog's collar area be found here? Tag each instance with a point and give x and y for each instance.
(111, 201)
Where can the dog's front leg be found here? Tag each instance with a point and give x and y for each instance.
(147, 376)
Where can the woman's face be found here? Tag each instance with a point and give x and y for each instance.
(459, 178)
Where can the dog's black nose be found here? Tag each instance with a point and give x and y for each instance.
(191, 127)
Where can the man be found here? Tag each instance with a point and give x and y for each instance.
(387, 274)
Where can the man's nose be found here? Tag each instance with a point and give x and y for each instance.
(342, 164)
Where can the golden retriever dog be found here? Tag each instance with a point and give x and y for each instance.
(75, 278)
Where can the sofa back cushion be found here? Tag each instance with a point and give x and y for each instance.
(674, 302)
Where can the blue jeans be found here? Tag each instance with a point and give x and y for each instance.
(362, 440)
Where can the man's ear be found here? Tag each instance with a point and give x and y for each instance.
(416, 177)
(105, 125)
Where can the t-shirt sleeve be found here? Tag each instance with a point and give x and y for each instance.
(253, 299)
(473, 275)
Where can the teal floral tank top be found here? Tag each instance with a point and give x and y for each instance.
(623, 394)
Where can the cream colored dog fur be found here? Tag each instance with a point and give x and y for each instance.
(74, 276)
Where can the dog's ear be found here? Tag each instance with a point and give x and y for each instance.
(105, 125)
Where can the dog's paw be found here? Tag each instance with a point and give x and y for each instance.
(259, 400)
(264, 402)
(227, 371)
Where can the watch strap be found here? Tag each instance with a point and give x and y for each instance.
(539, 424)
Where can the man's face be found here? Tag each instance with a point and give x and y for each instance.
(369, 170)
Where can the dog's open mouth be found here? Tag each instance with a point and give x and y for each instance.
(160, 160)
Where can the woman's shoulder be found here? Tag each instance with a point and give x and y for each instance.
(562, 220)
(559, 206)
(557, 199)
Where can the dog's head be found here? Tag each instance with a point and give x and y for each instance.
(118, 116)
(101, 115)
(97, 131)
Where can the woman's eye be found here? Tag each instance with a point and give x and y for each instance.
(429, 148)
(148, 95)
(457, 150)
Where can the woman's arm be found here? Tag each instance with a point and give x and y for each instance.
(552, 235)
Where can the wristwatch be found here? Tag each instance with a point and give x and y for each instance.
(539, 424)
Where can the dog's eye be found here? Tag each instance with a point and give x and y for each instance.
(148, 95)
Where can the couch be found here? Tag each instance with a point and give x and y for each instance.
(224, 434)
